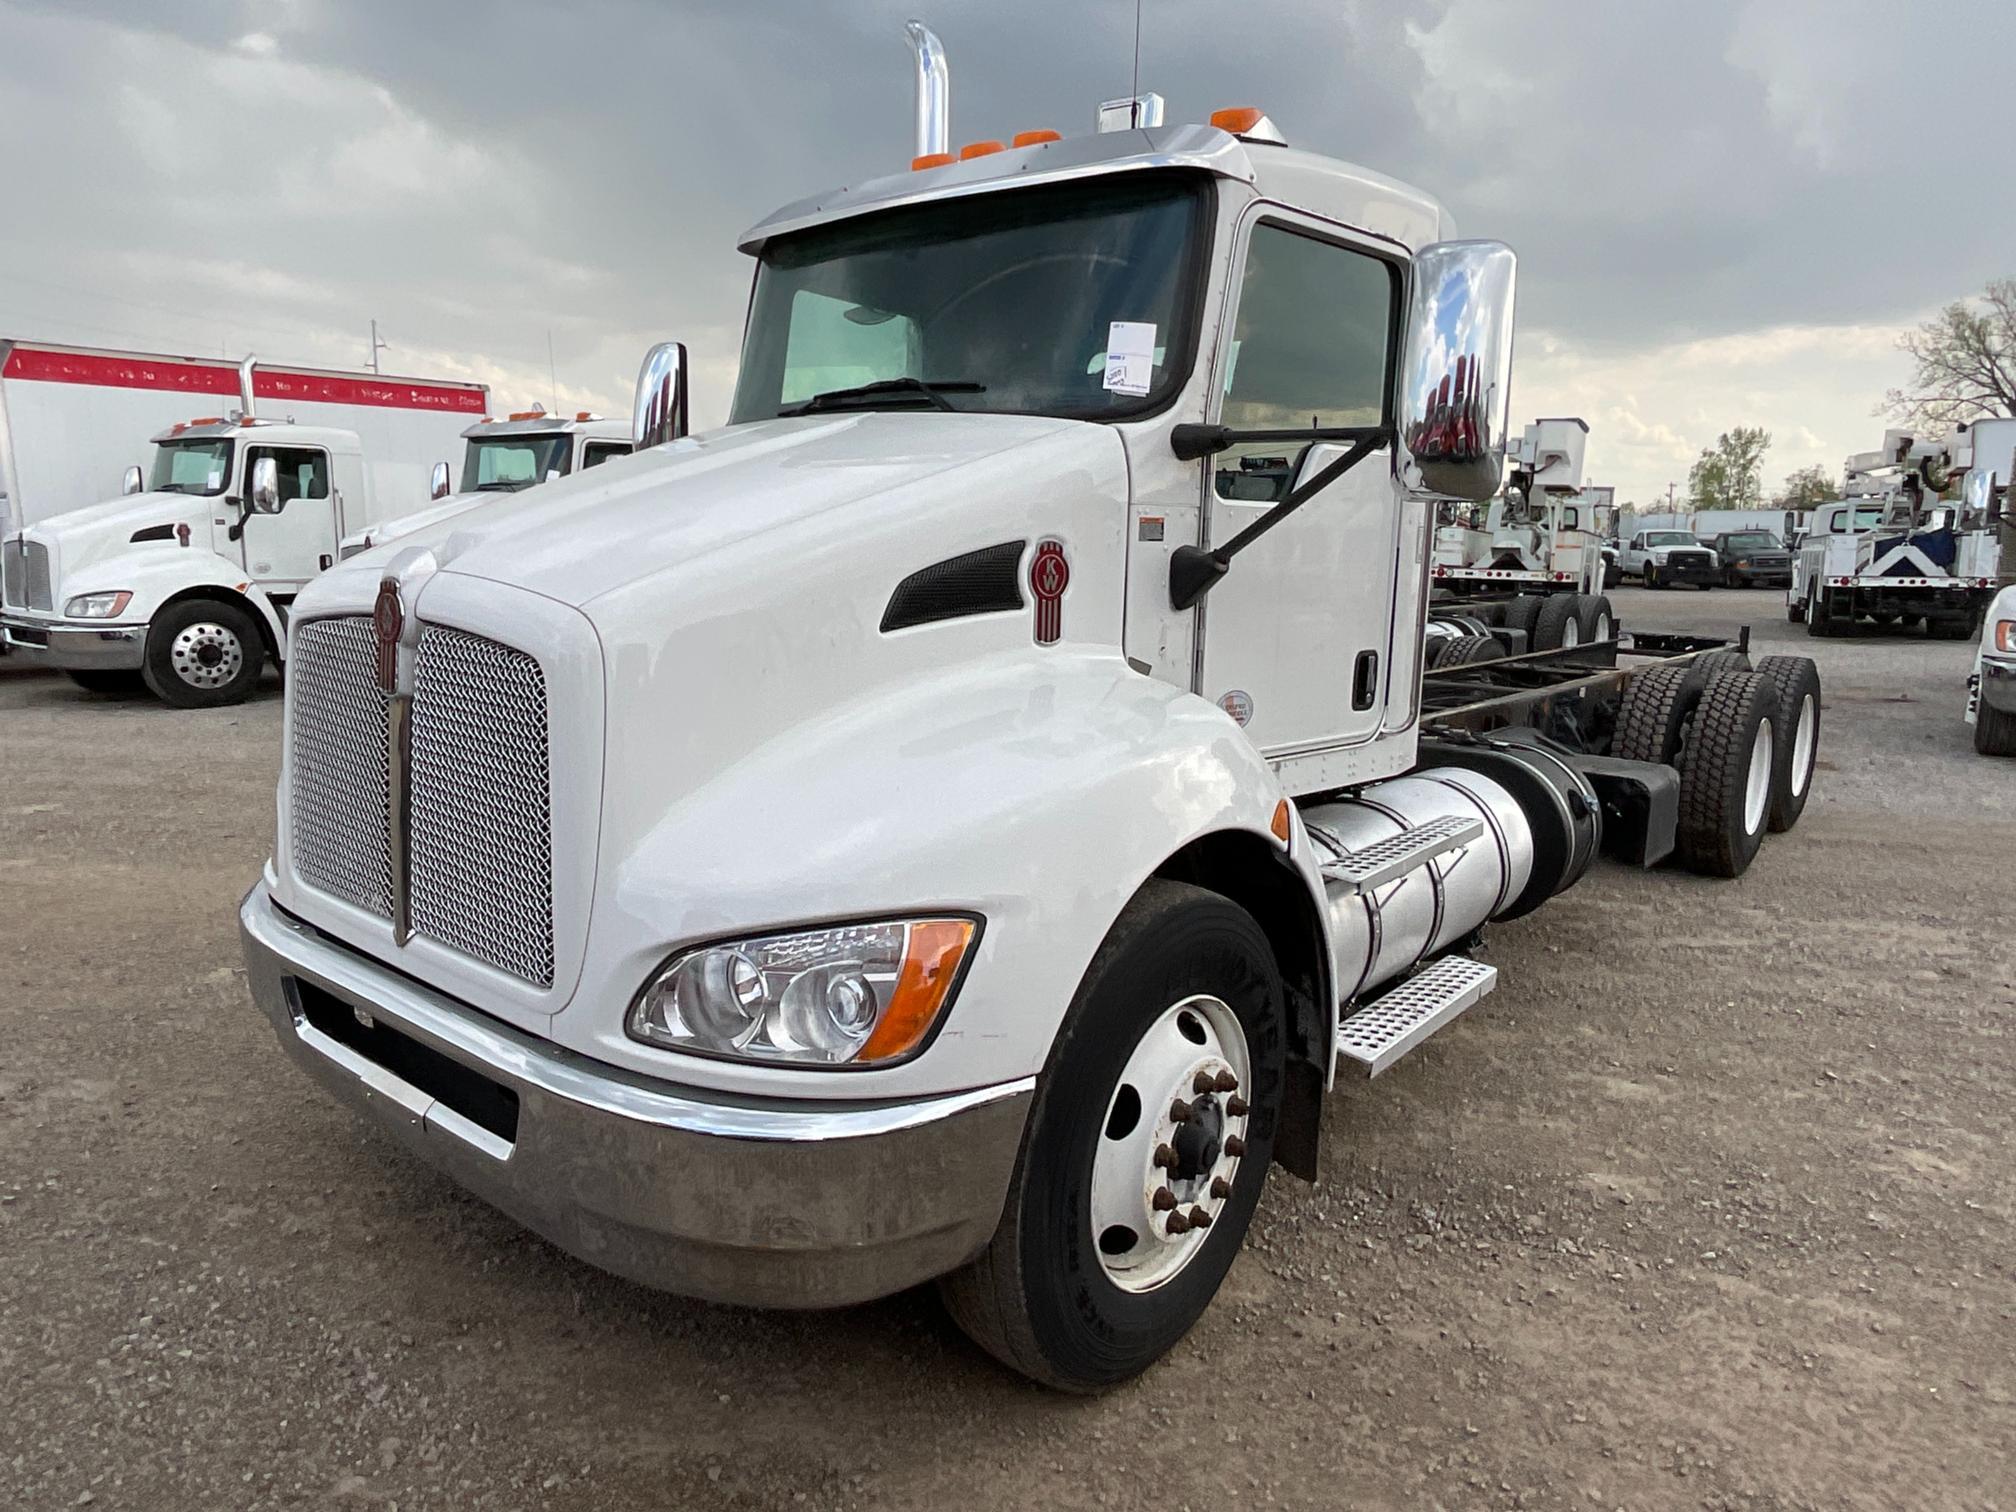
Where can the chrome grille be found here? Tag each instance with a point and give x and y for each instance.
(340, 763)
(481, 841)
(24, 575)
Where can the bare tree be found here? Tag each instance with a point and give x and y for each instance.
(1965, 359)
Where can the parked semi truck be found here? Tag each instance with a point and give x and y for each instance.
(1991, 690)
(935, 826)
(1893, 551)
(184, 584)
(505, 457)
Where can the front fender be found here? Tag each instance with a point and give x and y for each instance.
(1036, 791)
(155, 575)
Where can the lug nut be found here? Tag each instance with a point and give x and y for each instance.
(1203, 1082)
(1226, 1082)
(1177, 1224)
(1179, 1111)
(1164, 1200)
(1199, 1218)
(1237, 1106)
(1220, 1188)
(1234, 1145)
(1165, 1158)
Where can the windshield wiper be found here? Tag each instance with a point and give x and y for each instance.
(883, 388)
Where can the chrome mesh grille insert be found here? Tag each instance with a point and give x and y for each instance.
(339, 760)
(481, 841)
(24, 575)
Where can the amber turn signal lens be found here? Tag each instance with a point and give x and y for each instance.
(931, 963)
(1280, 824)
(1238, 121)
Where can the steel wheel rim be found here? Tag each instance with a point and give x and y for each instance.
(1805, 738)
(1571, 634)
(1757, 786)
(1143, 1206)
(1603, 628)
(206, 655)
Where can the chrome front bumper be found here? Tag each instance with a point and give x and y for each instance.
(1998, 684)
(75, 645)
(768, 1204)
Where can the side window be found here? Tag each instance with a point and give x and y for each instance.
(304, 471)
(595, 453)
(1311, 345)
(836, 343)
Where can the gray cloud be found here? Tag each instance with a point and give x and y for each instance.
(224, 174)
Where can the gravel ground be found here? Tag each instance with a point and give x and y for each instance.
(1706, 1207)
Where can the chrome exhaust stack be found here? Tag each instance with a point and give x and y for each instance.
(934, 90)
(246, 411)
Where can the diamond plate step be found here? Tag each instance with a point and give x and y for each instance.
(1376, 865)
(1386, 1028)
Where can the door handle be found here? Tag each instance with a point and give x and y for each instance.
(1364, 679)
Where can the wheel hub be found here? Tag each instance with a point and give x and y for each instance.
(1172, 1142)
(206, 655)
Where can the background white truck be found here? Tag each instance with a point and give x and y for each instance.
(1893, 551)
(185, 582)
(504, 457)
(1663, 556)
(932, 826)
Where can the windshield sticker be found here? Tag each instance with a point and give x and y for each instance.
(1130, 356)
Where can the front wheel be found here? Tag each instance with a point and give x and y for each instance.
(202, 654)
(1145, 1152)
(1651, 576)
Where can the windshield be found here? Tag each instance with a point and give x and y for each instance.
(506, 464)
(1669, 538)
(191, 467)
(1752, 540)
(1002, 302)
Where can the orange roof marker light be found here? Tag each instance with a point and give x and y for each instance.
(531, 414)
(1034, 138)
(979, 149)
(930, 160)
(1249, 125)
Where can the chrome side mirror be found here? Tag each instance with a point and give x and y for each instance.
(1456, 373)
(659, 414)
(1977, 491)
(437, 482)
(131, 483)
(265, 490)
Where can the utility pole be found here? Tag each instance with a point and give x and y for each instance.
(377, 346)
(1669, 498)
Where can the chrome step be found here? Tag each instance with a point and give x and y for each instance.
(1393, 1023)
(1388, 860)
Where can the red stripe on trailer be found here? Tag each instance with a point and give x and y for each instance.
(95, 370)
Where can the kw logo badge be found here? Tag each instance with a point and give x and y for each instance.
(1049, 576)
(388, 621)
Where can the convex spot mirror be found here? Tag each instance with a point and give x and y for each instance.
(1455, 396)
(265, 491)
(659, 413)
(437, 482)
(131, 483)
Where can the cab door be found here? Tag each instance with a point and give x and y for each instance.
(283, 551)
(1297, 639)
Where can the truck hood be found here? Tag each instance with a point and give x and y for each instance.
(82, 538)
(420, 519)
(815, 479)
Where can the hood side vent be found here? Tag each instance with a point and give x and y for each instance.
(987, 581)
(154, 533)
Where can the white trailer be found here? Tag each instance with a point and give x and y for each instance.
(1892, 552)
(502, 457)
(936, 825)
(185, 582)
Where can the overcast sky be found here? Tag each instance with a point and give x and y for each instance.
(1725, 210)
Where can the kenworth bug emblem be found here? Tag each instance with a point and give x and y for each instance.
(388, 620)
(1049, 576)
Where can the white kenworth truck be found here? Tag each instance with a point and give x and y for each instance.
(926, 828)
(1533, 554)
(183, 585)
(1892, 551)
(504, 457)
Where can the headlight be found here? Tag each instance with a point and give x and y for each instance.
(2005, 636)
(97, 605)
(855, 994)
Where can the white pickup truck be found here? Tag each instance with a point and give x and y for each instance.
(932, 826)
(505, 457)
(1662, 558)
(184, 584)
